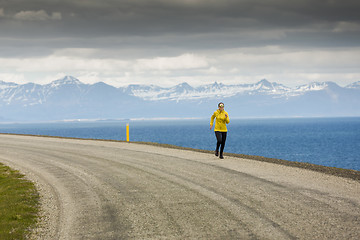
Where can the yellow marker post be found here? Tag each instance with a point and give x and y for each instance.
(127, 132)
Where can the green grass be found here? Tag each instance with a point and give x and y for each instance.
(19, 204)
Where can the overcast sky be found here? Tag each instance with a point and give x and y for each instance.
(166, 42)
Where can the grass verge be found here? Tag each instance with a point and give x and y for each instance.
(19, 204)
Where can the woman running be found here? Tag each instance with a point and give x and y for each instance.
(222, 118)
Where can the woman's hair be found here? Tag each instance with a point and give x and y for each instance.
(221, 103)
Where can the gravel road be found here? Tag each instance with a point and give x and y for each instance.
(116, 190)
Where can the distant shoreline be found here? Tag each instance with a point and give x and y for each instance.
(83, 120)
(340, 172)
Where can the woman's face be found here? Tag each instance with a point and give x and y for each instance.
(221, 108)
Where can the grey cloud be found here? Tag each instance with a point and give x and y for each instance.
(40, 15)
(278, 10)
(185, 24)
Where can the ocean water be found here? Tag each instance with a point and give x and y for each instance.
(333, 142)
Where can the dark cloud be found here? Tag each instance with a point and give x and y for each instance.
(182, 23)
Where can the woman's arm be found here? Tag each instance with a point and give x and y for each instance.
(227, 119)
(212, 120)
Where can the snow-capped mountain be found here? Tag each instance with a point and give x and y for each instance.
(184, 91)
(355, 85)
(69, 98)
(6, 85)
(67, 80)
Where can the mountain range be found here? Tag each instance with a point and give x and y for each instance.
(69, 98)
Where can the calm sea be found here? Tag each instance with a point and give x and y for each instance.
(331, 142)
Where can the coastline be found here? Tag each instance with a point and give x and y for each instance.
(340, 172)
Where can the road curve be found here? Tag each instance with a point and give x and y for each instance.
(115, 190)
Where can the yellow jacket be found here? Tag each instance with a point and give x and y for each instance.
(221, 120)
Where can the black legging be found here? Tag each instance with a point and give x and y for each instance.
(221, 139)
